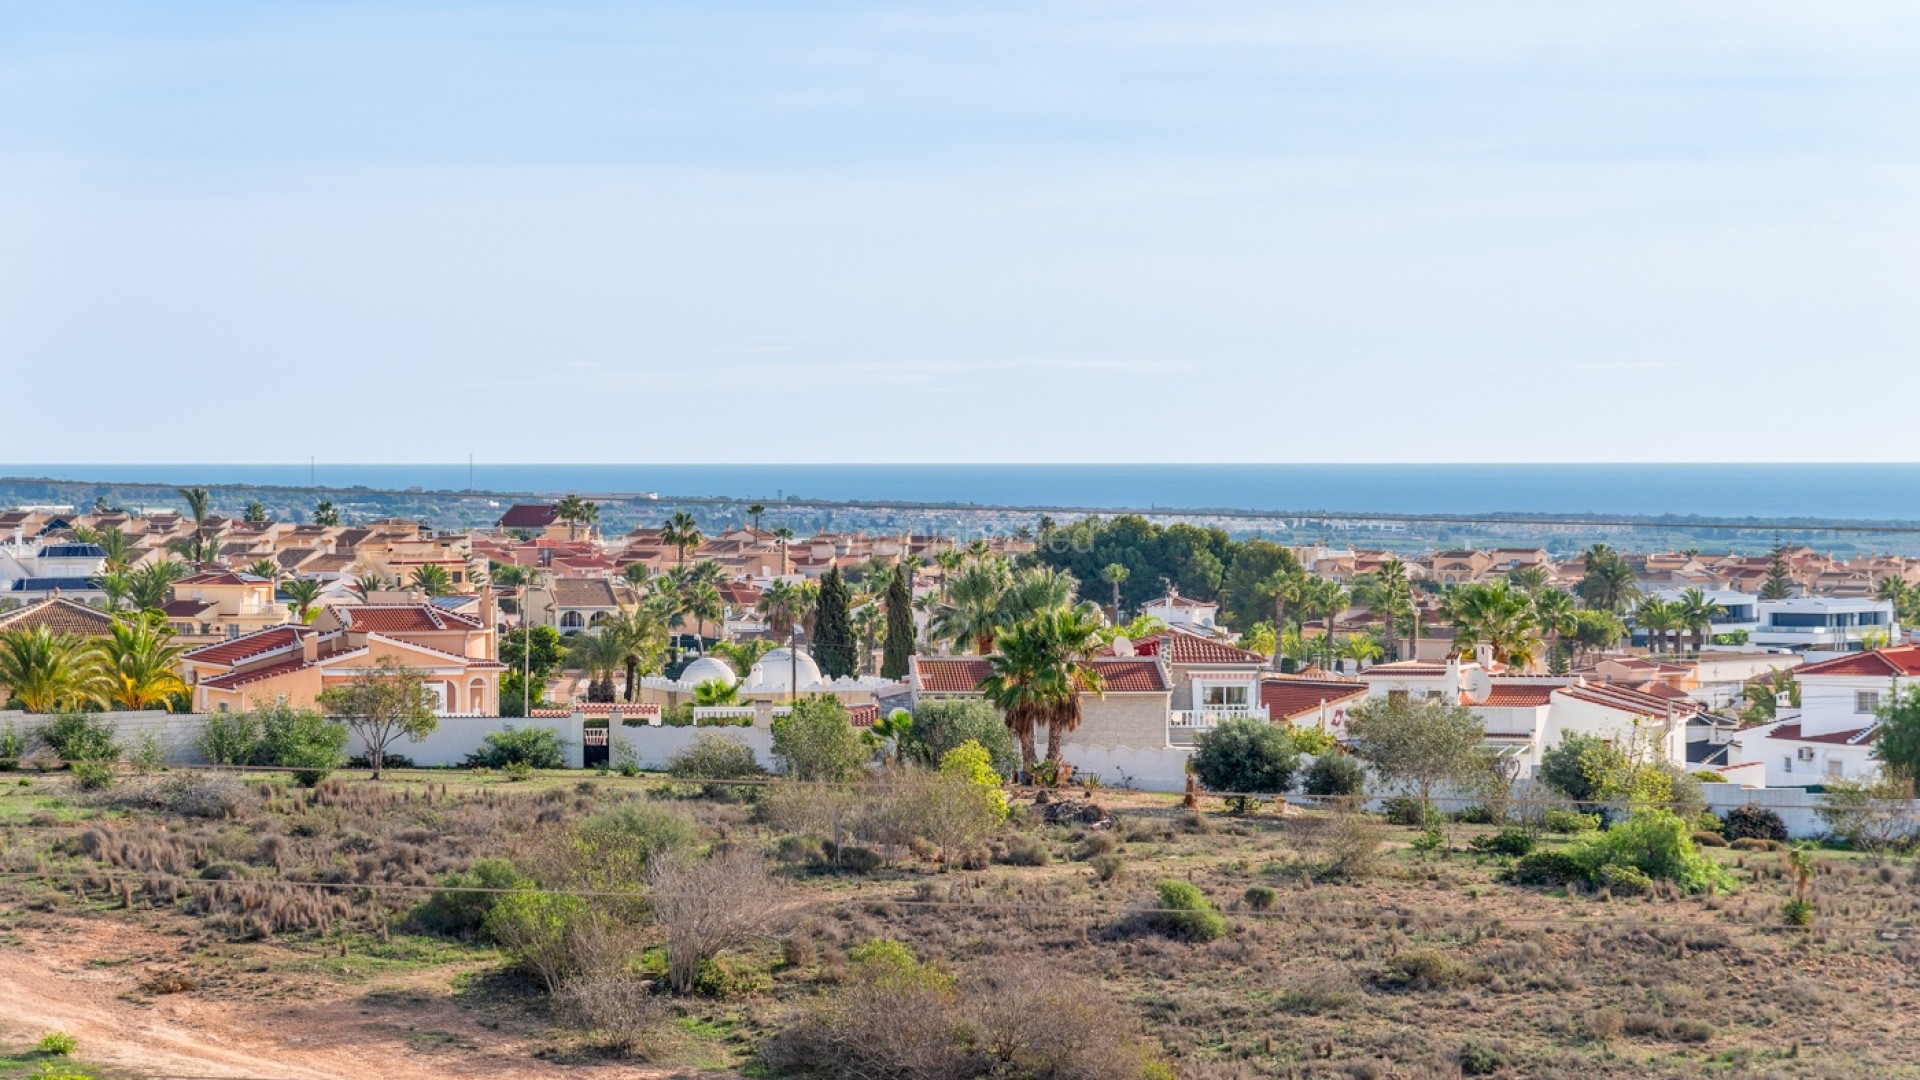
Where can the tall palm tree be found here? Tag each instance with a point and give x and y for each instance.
(1696, 612)
(635, 574)
(1072, 638)
(325, 514)
(781, 605)
(868, 621)
(683, 532)
(642, 637)
(1609, 583)
(264, 568)
(199, 505)
(151, 586)
(782, 538)
(116, 546)
(1324, 599)
(48, 672)
(577, 512)
(754, 510)
(1284, 586)
(949, 560)
(432, 579)
(1021, 684)
(115, 583)
(599, 656)
(1115, 575)
(255, 513)
(1657, 617)
(1495, 614)
(1529, 579)
(1035, 590)
(199, 549)
(703, 602)
(301, 593)
(976, 603)
(1553, 613)
(143, 663)
(1388, 593)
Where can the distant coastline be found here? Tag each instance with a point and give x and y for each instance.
(1811, 494)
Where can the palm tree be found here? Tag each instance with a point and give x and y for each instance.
(1696, 612)
(1072, 637)
(301, 593)
(1020, 683)
(143, 662)
(1553, 613)
(151, 586)
(264, 568)
(576, 511)
(49, 672)
(1324, 599)
(1609, 583)
(1496, 615)
(892, 730)
(368, 584)
(1035, 590)
(1388, 593)
(116, 583)
(683, 532)
(781, 605)
(714, 693)
(1657, 617)
(949, 560)
(642, 637)
(782, 537)
(976, 602)
(507, 575)
(635, 574)
(1285, 586)
(325, 514)
(1114, 574)
(432, 579)
(256, 512)
(199, 549)
(754, 510)
(599, 656)
(1529, 579)
(199, 504)
(703, 602)
(868, 620)
(1360, 648)
(116, 546)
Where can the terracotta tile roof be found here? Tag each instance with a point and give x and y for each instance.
(1507, 696)
(254, 644)
(1182, 648)
(1287, 697)
(188, 609)
(529, 516)
(233, 679)
(583, 592)
(864, 716)
(1900, 660)
(1407, 667)
(1790, 732)
(400, 618)
(61, 616)
(950, 674)
(1181, 602)
(1131, 675)
(605, 708)
(221, 577)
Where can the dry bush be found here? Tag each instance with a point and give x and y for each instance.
(1032, 1020)
(614, 1005)
(708, 906)
(1342, 844)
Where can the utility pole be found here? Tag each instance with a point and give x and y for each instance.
(793, 668)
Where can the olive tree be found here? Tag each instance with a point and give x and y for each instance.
(382, 705)
(1419, 743)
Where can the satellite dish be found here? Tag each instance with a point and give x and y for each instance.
(1122, 647)
(1479, 685)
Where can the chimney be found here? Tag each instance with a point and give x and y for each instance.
(1483, 655)
(309, 647)
(486, 606)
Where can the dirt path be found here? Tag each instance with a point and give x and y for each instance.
(53, 980)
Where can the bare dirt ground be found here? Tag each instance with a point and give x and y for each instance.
(85, 979)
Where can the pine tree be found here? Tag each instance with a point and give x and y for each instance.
(1779, 583)
(900, 643)
(833, 627)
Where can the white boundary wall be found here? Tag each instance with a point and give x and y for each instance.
(653, 747)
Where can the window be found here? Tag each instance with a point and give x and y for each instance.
(1229, 696)
(572, 621)
(1786, 764)
(1806, 753)
(1836, 770)
(1866, 701)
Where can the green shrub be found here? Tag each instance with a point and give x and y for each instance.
(1798, 912)
(1027, 851)
(93, 775)
(1107, 867)
(13, 746)
(1514, 842)
(1425, 969)
(939, 726)
(1186, 913)
(516, 771)
(816, 741)
(1567, 822)
(535, 748)
(81, 737)
(724, 978)
(538, 930)
(1314, 741)
(1754, 822)
(1245, 756)
(1333, 775)
(463, 914)
(1401, 810)
(230, 738)
(713, 756)
(57, 1043)
(1261, 897)
(1547, 868)
(1624, 880)
(1657, 844)
(300, 739)
(1479, 1059)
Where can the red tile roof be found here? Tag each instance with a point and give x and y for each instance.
(254, 644)
(864, 716)
(950, 674)
(1900, 660)
(401, 618)
(606, 708)
(1183, 648)
(187, 609)
(1131, 675)
(1287, 697)
(61, 616)
(529, 516)
(221, 577)
(1790, 732)
(1515, 697)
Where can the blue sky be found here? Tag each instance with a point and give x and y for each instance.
(1326, 231)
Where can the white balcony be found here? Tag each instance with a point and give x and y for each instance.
(1184, 724)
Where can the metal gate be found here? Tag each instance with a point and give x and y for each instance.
(596, 738)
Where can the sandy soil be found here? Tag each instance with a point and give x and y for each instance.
(85, 979)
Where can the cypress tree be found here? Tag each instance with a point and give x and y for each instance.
(1779, 584)
(900, 643)
(833, 627)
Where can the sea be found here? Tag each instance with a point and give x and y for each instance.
(1773, 492)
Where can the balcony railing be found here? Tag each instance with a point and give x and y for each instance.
(1184, 724)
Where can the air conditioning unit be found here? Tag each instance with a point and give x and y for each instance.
(1806, 753)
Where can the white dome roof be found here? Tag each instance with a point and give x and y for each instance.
(707, 669)
(777, 668)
